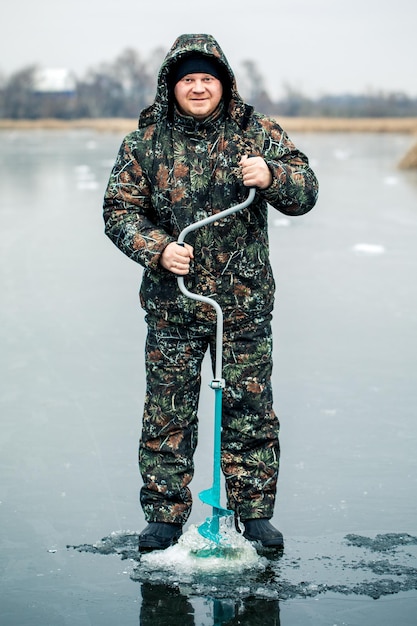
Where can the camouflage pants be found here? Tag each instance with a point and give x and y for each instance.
(250, 446)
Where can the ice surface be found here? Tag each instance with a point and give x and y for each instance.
(72, 388)
(351, 565)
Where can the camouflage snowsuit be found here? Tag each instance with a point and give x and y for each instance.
(173, 171)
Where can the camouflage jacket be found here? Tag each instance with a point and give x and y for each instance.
(175, 170)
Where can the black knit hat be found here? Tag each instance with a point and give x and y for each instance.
(195, 64)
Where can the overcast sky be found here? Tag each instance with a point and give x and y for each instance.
(316, 46)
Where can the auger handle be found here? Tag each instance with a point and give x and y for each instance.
(194, 296)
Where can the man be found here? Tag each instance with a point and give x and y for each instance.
(188, 159)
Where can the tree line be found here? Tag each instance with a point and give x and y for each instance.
(122, 87)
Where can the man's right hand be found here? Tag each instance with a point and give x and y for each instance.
(176, 258)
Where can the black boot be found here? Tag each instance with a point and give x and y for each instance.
(262, 530)
(158, 536)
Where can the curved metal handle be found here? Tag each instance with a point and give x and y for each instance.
(199, 298)
(217, 216)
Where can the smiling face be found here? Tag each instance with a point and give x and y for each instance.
(198, 95)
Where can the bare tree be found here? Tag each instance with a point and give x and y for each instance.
(117, 89)
(19, 99)
(254, 88)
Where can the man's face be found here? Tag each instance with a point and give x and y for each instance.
(198, 95)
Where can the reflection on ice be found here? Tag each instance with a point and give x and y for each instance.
(281, 222)
(368, 249)
(341, 154)
(86, 180)
(160, 605)
(391, 180)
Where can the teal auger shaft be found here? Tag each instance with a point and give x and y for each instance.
(211, 496)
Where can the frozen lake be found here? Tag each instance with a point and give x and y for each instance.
(72, 388)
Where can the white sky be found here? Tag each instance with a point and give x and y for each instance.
(316, 46)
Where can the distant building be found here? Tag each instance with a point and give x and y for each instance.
(54, 81)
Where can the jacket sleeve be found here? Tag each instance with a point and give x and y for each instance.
(130, 221)
(294, 187)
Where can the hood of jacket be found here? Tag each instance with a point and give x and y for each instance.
(161, 108)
